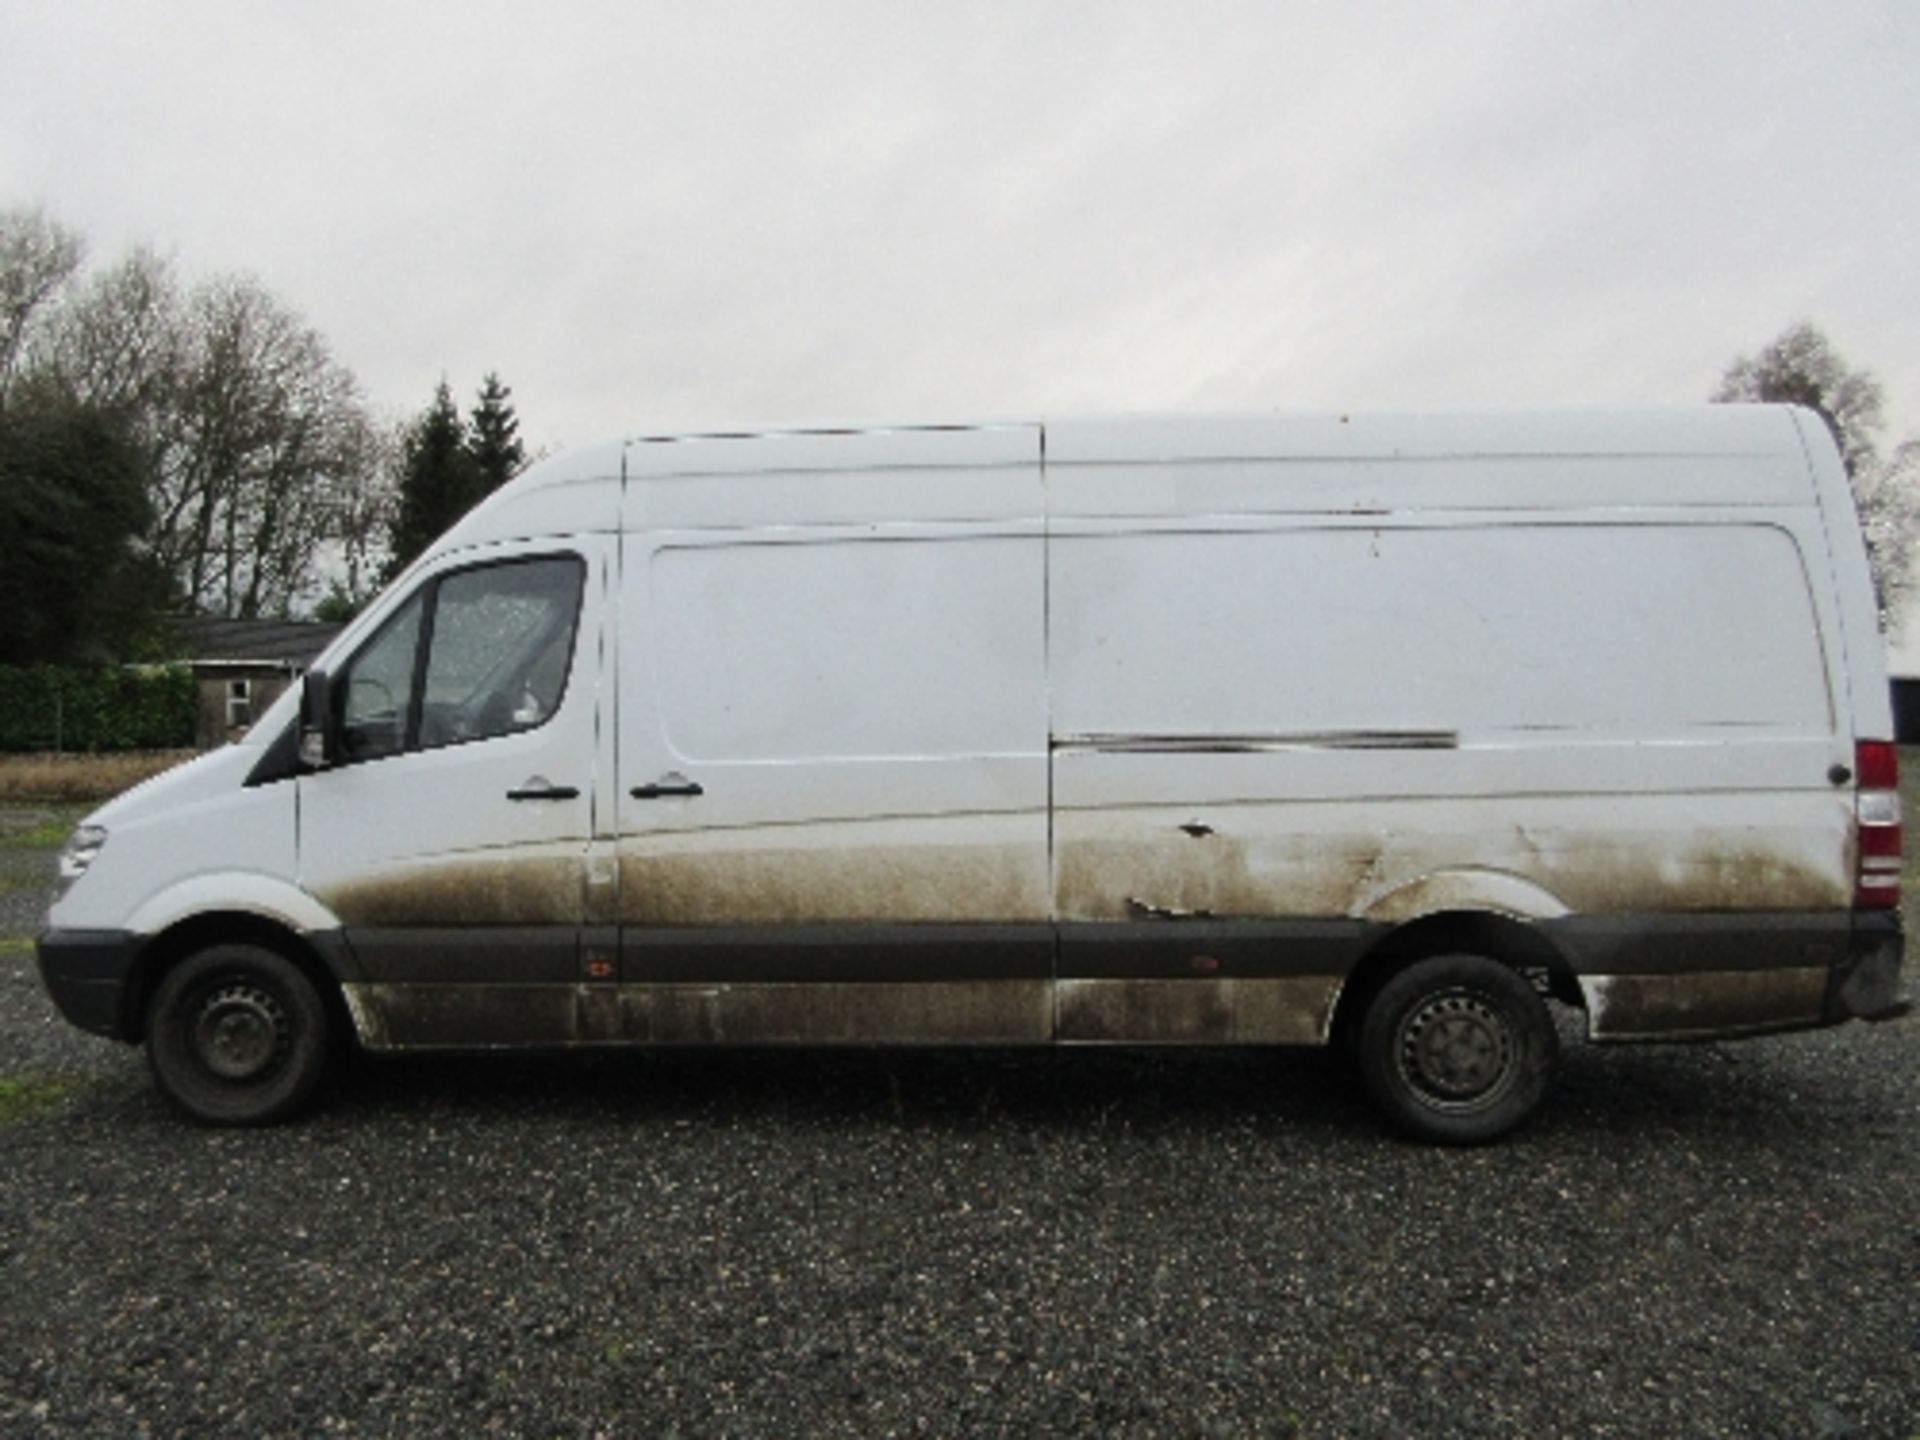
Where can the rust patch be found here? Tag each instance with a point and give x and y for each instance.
(820, 884)
(483, 888)
(1287, 1010)
(1138, 909)
(1702, 1004)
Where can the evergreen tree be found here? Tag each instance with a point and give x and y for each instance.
(439, 480)
(75, 585)
(494, 436)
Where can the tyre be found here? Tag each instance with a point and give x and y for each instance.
(1457, 1049)
(237, 1035)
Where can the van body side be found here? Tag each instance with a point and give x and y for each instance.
(1194, 730)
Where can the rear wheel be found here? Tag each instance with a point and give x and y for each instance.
(237, 1035)
(1457, 1048)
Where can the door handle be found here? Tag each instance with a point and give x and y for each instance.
(538, 789)
(667, 785)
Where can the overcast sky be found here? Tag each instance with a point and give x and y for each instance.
(653, 216)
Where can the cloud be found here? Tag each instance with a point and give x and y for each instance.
(659, 215)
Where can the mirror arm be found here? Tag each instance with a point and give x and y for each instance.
(319, 734)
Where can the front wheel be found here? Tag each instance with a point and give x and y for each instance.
(237, 1035)
(1458, 1049)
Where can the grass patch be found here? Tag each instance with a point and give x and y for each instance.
(24, 1096)
(49, 834)
(39, 829)
(77, 778)
(11, 945)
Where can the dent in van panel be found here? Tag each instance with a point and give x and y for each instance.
(1365, 861)
(1468, 887)
(1103, 873)
(947, 868)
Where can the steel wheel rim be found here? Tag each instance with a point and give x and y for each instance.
(1457, 1050)
(240, 1032)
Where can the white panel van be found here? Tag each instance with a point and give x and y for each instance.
(1230, 731)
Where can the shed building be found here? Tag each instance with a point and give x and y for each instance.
(240, 667)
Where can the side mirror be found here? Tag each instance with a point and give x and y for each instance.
(319, 736)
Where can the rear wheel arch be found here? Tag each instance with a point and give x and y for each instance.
(1510, 941)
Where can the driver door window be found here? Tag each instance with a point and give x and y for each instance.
(475, 654)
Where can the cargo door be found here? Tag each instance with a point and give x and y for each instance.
(833, 770)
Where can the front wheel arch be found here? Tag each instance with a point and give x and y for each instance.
(185, 938)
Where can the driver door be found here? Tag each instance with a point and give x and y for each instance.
(450, 835)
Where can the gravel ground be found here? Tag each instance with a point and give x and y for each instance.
(1703, 1241)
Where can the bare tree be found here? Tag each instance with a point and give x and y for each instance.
(37, 257)
(256, 446)
(1801, 367)
(267, 432)
(257, 454)
(115, 340)
(1887, 493)
(364, 501)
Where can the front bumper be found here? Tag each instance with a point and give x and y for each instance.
(88, 974)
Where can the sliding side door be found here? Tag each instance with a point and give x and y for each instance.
(833, 769)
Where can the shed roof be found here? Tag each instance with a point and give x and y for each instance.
(278, 642)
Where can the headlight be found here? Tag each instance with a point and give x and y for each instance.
(78, 854)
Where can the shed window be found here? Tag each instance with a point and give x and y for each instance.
(239, 704)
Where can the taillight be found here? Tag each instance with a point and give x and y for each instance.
(1876, 808)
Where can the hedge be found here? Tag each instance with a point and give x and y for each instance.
(57, 707)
